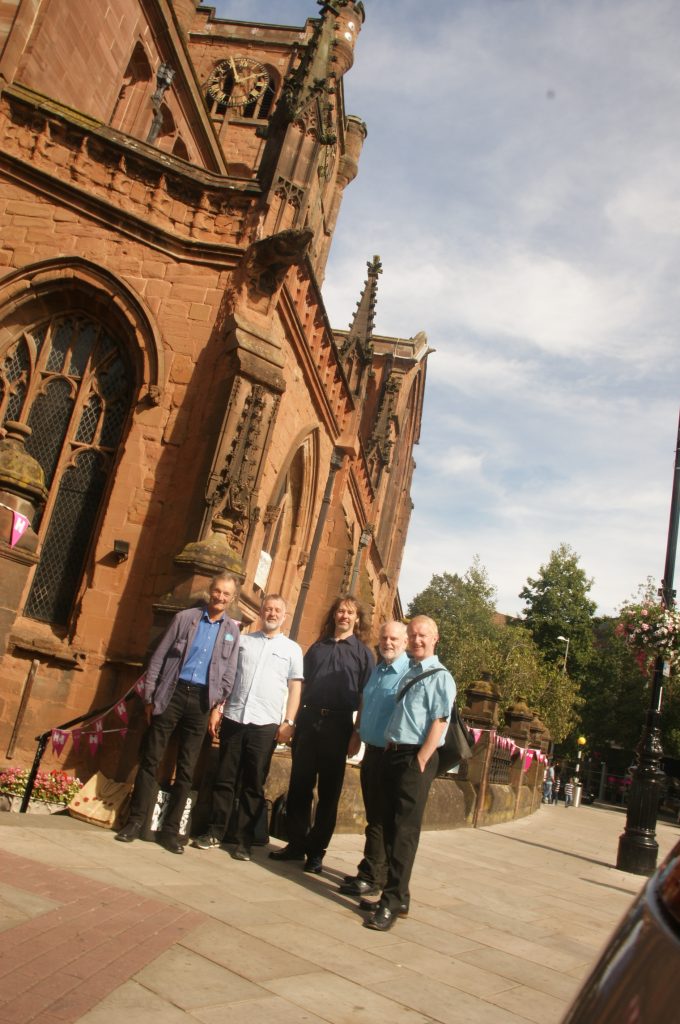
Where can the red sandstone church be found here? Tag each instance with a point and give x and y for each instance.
(173, 399)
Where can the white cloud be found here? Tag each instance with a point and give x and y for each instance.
(519, 181)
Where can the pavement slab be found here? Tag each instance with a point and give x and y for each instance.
(505, 922)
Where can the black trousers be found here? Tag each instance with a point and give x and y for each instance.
(405, 792)
(245, 756)
(373, 865)
(187, 713)
(319, 754)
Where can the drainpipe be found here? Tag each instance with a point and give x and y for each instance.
(335, 465)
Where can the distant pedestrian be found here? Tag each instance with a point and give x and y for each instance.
(569, 793)
(557, 783)
(548, 780)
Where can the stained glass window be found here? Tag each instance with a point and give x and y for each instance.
(69, 380)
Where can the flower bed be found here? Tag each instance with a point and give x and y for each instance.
(55, 789)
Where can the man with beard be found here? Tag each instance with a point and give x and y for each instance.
(336, 669)
(259, 714)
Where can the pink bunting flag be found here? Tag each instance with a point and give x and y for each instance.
(121, 711)
(58, 741)
(94, 739)
(476, 733)
(139, 685)
(75, 736)
(123, 733)
(99, 726)
(528, 758)
(19, 527)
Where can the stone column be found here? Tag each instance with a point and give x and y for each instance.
(483, 697)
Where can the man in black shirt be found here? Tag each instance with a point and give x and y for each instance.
(336, 669)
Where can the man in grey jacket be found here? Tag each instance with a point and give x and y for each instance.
(191, 671)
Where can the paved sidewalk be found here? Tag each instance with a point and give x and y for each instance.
(504, 923)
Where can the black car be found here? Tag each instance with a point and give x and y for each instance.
(637, 979)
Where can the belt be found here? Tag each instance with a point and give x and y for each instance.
(403, 748)
(191, 686)
(326, 712)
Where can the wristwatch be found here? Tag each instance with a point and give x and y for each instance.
(289, 721)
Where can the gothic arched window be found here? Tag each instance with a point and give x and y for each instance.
(69, 380)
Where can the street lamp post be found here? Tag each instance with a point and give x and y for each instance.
(565, 640)
(581, 744)
(638, 848)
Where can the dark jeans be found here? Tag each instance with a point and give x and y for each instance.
(405, 792)
(373, 866)
(245, 755)
(188, 713)
(319, 753)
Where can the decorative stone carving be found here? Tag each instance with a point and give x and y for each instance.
(381, 441)
(233, 493)
(267, 261)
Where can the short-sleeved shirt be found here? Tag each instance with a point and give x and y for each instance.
(378, 699)
(265, 667)
(425, 702)
(336, 672)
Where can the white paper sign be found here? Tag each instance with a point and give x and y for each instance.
(262, 572)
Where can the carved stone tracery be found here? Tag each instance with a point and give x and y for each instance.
(233, 493)
(381, 440)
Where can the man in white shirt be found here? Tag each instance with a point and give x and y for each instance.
(259, 714)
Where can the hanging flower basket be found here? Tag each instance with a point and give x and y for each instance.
(651, 630)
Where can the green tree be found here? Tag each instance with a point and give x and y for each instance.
(615, 692)
(557, 604)
(520, 670)
(463, 608)
(474, 639)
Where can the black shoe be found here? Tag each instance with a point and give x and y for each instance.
(381, 920)
(287, 853)
(360, 887)
(171, 842)
(241, 853)
(314, 863)
(373, 905)
(130, 832)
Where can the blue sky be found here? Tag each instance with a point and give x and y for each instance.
(520, 183)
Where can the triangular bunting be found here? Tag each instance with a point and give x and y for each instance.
(58, 741)
(19, 526)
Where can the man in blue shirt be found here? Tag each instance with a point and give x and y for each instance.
(415, 730)
(377, 705)
(191, 671)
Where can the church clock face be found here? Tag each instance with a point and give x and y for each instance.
(237, 81)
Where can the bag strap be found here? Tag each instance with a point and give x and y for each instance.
(416, 679)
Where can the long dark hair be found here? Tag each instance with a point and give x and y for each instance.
(360, 626)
